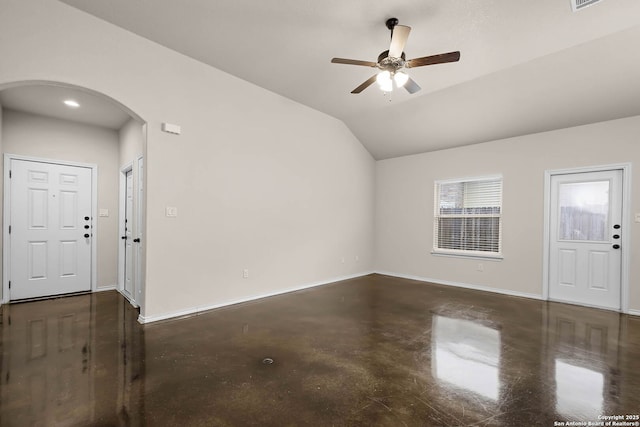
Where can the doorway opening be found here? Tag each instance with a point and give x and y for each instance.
(130, 230)
(92, 133)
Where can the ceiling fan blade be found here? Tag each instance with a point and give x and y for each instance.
(411, 86)
(365, 85)
(353, 62)
(399, 38)
(433, 59)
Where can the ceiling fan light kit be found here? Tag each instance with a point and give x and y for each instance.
(392, 62)
(400, 78)
(384, 81)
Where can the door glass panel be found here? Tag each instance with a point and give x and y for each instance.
(584, 211)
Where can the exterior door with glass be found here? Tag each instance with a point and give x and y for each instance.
(585, 238)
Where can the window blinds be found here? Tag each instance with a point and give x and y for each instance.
(467, 216)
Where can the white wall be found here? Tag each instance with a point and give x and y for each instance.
(263, 183)
(131, 138)
(260, 182)
(49, 138)
(404, 202)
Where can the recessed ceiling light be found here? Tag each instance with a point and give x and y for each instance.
(71, 103)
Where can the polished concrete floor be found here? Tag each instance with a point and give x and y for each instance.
(372, 351)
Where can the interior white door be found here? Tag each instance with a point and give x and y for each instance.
(585, 241)
(139, 230)
(51, 222)
(128, 237)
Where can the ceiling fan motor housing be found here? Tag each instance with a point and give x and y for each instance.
(385, 62)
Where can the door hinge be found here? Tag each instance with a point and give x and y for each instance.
(9, 173)
(9, 284)
(9, 229)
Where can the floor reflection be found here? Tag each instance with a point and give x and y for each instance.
(49, 362)
(579, 391)
(583, 360)
(466, 355)
(69, 361)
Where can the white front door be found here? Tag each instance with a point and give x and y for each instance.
(585, 238)
(128, 237)
(50, 220)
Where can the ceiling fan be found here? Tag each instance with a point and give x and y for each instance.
(392, 62)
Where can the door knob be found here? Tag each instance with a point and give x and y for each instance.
(617, 226)
(86, 235)
(86, 218)
(124, 237)
(616, 236)
(616, 246)
(136, 240)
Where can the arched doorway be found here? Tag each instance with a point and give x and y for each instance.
(58, 125)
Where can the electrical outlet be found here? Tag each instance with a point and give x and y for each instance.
(357, 258)
(480, 267)
(245, 273)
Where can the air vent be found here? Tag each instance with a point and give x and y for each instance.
(581, 4)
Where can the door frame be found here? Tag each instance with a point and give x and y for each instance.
(139, 209)
(626, 225)
(121, 216)
(6, 213)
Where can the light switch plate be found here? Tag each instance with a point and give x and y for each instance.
(171, 211)
(103, 212)
(637, 217)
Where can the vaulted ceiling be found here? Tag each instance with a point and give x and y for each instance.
(526, 66)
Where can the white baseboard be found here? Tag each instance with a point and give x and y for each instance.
(197, 310)
(631, 312)
(463, 285)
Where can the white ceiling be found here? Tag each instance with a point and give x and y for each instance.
(47, 100)
(526, 66)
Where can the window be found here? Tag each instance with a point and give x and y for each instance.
(467, 217)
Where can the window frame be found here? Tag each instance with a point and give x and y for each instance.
(463, 253)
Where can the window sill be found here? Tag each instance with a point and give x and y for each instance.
(488, 257)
